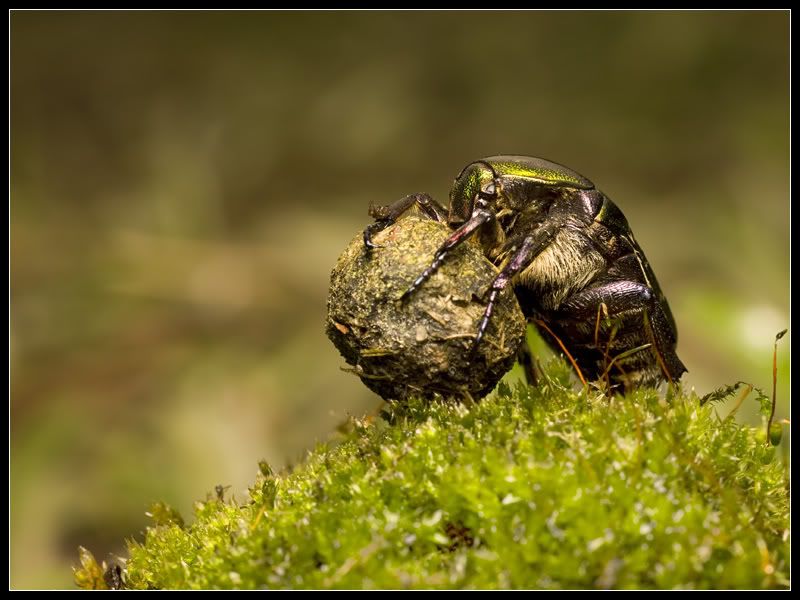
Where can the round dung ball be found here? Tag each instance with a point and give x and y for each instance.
(420, 346)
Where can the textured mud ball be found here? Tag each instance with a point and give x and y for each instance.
(420, 347)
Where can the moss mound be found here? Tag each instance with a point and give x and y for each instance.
(532, 488)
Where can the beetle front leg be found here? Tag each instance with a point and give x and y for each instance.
(519, 261)
(458, 237)
(531, 247)
(386, 215)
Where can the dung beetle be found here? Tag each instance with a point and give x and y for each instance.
(570, 255)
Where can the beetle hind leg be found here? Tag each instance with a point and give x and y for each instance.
(638, 341)
(386, 215)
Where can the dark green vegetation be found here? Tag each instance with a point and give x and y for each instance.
(532, 488)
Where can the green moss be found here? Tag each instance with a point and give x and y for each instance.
(531, 488)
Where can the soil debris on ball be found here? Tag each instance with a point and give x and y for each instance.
(422, 345)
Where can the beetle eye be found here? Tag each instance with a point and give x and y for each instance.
(490, 189)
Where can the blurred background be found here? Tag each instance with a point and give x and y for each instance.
(182, 184)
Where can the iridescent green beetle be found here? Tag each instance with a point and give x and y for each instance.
(569, 252)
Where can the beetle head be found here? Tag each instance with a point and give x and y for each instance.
(478, 182)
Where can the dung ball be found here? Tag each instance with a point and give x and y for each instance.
(421, 346)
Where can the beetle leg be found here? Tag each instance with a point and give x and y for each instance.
(519, 261)
(386, 215)
(626, 299)
(479, 217)
(531, 247)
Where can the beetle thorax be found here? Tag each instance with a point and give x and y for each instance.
(523, 196)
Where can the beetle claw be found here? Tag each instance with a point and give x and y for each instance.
(368, 243)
